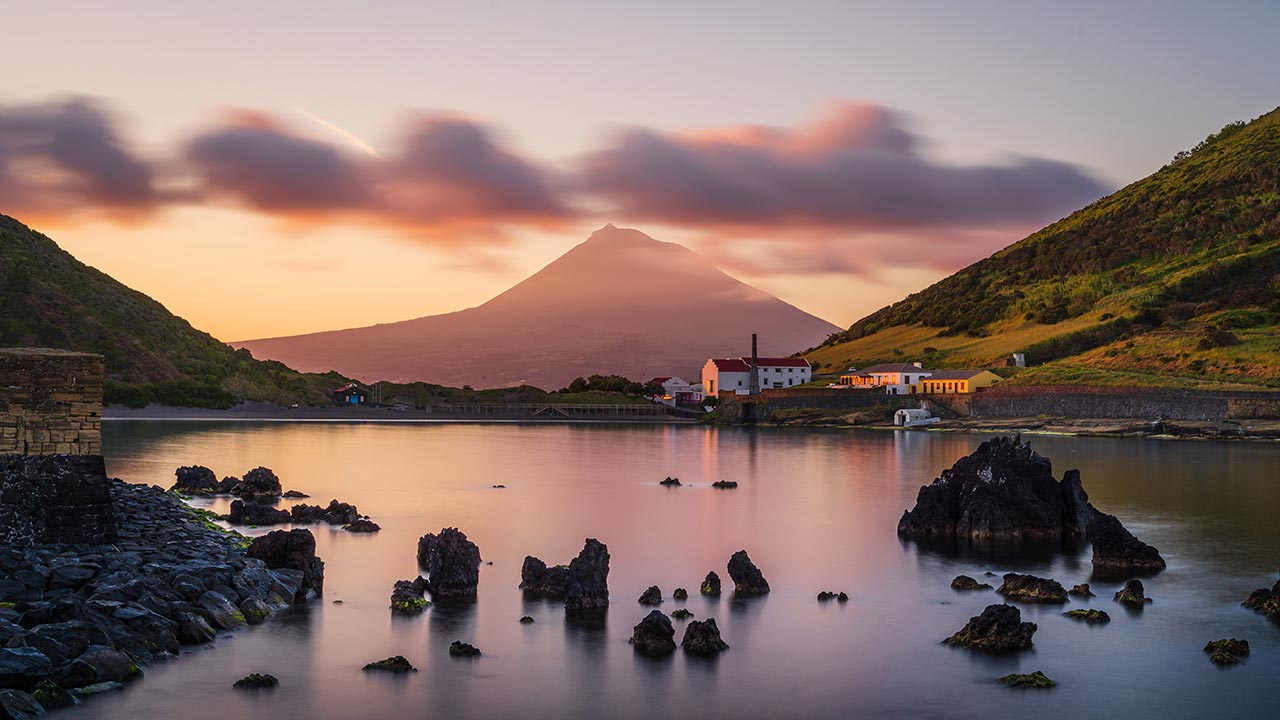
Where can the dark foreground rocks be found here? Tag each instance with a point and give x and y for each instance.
(17, 705)
(964, 582)
(1227, 652)
(252, 513)
(200, 480)
(259, 482)
(292, 553)
(1037, 680)
(1132, 594)
(702, 637)
(77, 619)
(396, 664)
(1029, 588)
(998, 629)
(747, 578)
(452, 563)
(1265, 602)
(583, 583)
(654, 635)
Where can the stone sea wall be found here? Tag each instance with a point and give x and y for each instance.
(1030, 401)
(50, 402)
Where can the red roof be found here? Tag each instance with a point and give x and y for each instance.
(731, 365)
(744, 364)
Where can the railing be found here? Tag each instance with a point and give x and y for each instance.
(552, 410)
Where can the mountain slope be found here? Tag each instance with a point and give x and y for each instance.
(1174, 276)
(50, 299)
(620, 303)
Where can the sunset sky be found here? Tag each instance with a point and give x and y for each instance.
(283, 167)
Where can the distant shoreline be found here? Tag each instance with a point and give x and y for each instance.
(1254, 430)
(275, 413)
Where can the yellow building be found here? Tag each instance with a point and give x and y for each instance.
(958, 381)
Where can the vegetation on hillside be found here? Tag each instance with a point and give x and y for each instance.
(1176, 274)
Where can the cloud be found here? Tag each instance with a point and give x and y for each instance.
(67, 157)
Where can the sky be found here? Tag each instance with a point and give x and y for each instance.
(267, 169)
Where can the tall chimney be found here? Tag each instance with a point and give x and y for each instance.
(753, 382)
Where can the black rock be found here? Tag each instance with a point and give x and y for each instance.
(654, 635)
(998, 629)
(588, 585)
(293, 550)
(1117, 551)
(1133, 594)
(710, 585)
(20, 666)
(747, 578)
(406, 597)
(1029, 588)
(1090, 616)
(397, 664)
(335, 513)
(1265, 602)
(259, 482)
(652, 596)
(964, 582)
(526, 620)
(670, 482)
(17, 705)
(538, 580)
(193, 629)
(109, 664)
(363, 525)
(725, 484)
(1081, 590)
(452, 563)
(460, 649)
(50, 696)
(1227, 652)
(702, 637)
(220, 611)
(681, 614)
(256, 681)
(200, 480)
(680, 594)
(251, 513)
(295, 495)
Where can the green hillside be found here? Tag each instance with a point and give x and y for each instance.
(1172, 281)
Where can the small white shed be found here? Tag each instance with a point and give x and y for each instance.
(908, 417)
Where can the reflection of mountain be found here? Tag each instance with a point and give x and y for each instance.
(621, 302)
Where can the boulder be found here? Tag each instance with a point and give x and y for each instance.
(1029, 588)
(1227, 652)
(583, 583)
(109, 664)
(294, 550)
(710, 585)
(538, 580)
(1116, 551)
(1081, 590)
(406, 597)
(526, 620)
(252, 513)
(1265, 602)
(460, 649)
(51, 697)
(17, 705)
(1090, 616)
(452, 563)
(220, 612)
(259, 482)
(654, 635)
(396, 664)
(294, 495)
(670, 482)
(255, 611)
(681, 614)
(725, 484)
(20, 666)
(362, 525)
(1132, 594)
(998, 629)
(652, 596)
(1037, 680)
(193, 629)
(256, 681)
(747, 578)
(964, 582)
(829, 595)
(702, 637)
(200, 480)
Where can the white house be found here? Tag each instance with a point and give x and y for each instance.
(895, 378)
(678, 390)
(734, 374)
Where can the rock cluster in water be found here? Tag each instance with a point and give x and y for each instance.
(395, 664)
(998, 629)
(583, 583)
(255, 495)
(457, 648)
(292, 553)
(1029, 588)
(1227, 652)
(747, 578)
(1265, 602)
(79, 619)
(670, 482)
(1037, 680)
(1132, 594)
(256, 681)
(452, 563)
(1090, 616)
(407, 597)
(1006, 491)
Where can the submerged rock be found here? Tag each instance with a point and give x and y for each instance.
(1029, 588)
(964, 582)
(998, 629)
(362, 525)
(335, 513)
(396, 664)
(654, 635)
(1035, 679)
(829, 595)
(460, 649)
(1117, 551)
(652, 596)
(526, 620)
(670, 482)
(1090, 616)
(702, 637)
(1265, 602)
(680, 594)
(200, 480)
(407, 599)
(292, 550)
(1227, 652)
(1081, 590)
(710, 585)
(256, 681)
(681, 614)
(295, 495)
(251, 513)
(452, 563)
(725, 484)
(1132, 593)
(583, 583)
(747, 578)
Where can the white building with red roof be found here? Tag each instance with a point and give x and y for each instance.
(721, 375)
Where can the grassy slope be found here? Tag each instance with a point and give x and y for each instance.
(1172, 281)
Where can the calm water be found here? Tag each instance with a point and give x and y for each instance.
(816, 510)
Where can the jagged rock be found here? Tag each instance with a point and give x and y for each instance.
(193, 629)
(829, 595)
(220, 611)
(652, 596)
(1117, 551)
(1227, 652)
(17, 705)
(363, 525)
(526, 620)
(654, 635)
(588, 585)
(251, 513)
(335, 513)
(1029, 588)
(1081, 590)
(259, 482)
(725, 484)
(998, 629)
(255, 611)
(407, 599)
(452, 563)
(1132, 593)
(710, 585)
(681, 614)
(397, 664)
(460, 649)
(109, 664)
(747, 578)
(295, 495)
(538, 580)
(200, 480)
(702, 637)
(98, 688)
(1092, 617)
(256, 681)
(293, 550)
(680, 594)
(50, 696)
(1265, 602)
(1035, 679)
(964, 582)
(21, 665)
(670, 482)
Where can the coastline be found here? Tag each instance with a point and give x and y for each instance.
(276, 413)
(1254, 430)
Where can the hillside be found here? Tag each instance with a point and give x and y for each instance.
(50, 299)
(619, 303)
(1173, 280)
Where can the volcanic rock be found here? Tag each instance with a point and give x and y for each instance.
(1117, 551)
(670, 482)
(538, 580)
(17, 705)
(652, 596)
(452, 563)
(747, 578)
(710, 585)
(964, 582)
(654, 635)
(362, 525)
(396, 664)
(256, 681)
(725, 484)
(998, 629)
(702, 637)
(680, 594)
(1081, 590)
(336, 513)
(259, 482)
(1132, 594)
(1265, 602)
(252, 513)
(1227, 652)
(460, 649)
(200, 480)
(681, 614)
(1029, 588)
(1092, 617)
(406, 597)
(588, 585)
(292, 550)
(1037, 680)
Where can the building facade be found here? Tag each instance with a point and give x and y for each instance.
(958, 381)
(894, 378)
(721, 375)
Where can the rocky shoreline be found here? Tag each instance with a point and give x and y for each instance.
(78, 619)
(1252, 430)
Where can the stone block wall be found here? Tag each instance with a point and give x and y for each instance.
(50, 402)
(55, 499)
